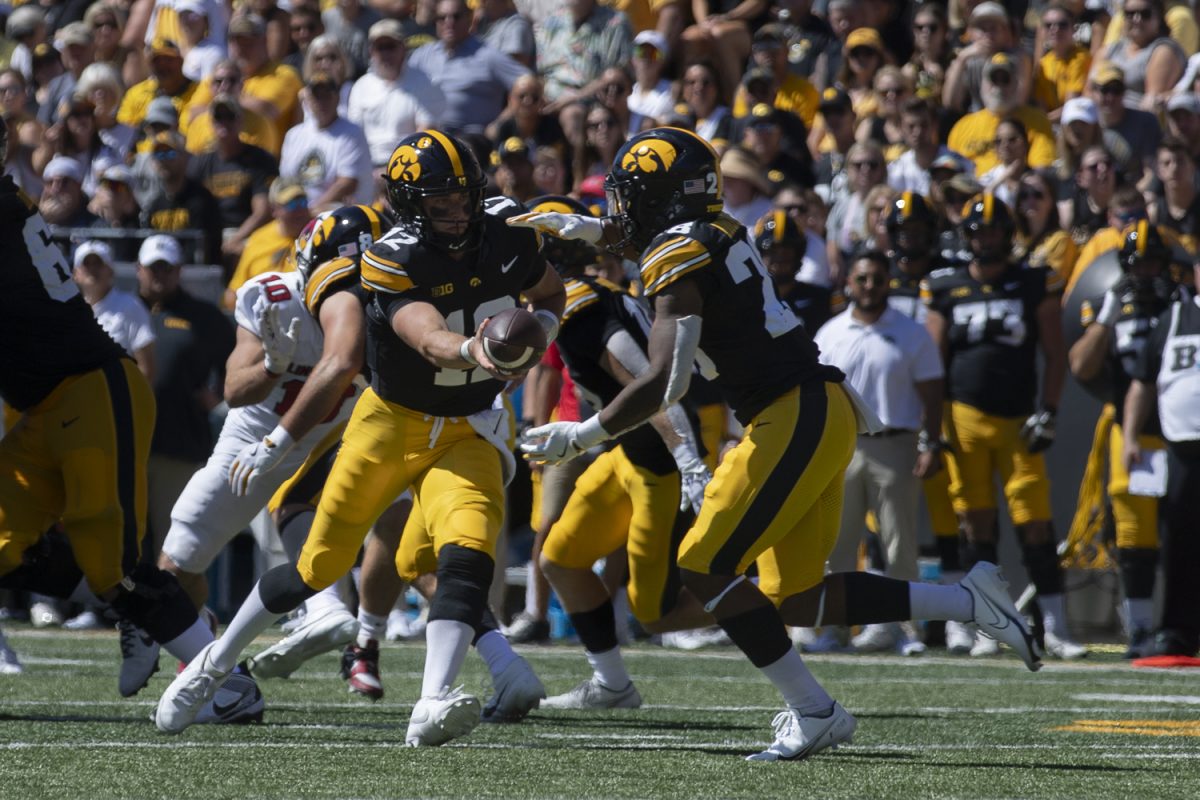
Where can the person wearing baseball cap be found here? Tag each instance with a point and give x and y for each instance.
(990, 32)
(747, 190)
(74, 42)
(764, 132)
(1139, 130)
(63, 202)
(651, 94)
(514, 169)
(179, 201)
(165, 60)
(791, 92)
(121, 314)
(271, 247)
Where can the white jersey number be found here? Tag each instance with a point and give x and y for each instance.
(743, 263)
(48, 260)
(449, 376)
(1000, 321)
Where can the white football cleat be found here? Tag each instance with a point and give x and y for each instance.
(139, 658)
(191, 690)
(996, 614)
(437, 720)
(319, 633)
(876, 638)
(984, 646)
(9, 663)
(517, 692)
(800, 737)
(959, 638)
(236, 702)
(591, 694)
(1063, 648)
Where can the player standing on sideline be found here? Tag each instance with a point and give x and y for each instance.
(776, 496)
(78, 453)
(426, 422)
(989, 319)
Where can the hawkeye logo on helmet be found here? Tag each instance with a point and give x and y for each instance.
(406, 164)
(651, 155)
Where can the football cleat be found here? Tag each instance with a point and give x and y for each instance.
(984, 646)
(360, 669)
(517, 692)
(437, 720)
(1063, 648)
(9, 663)
(959, 638)
(236, 702)
(832, 639)
(139, 658)
(996, 614)
(696, 638)
(527, 630)
(401, 627)
(45, 615)
(800, 737)
(1141, 641)
(191, 690)
(876, 638)
(591, 694)
(86, 620)
(318, 634)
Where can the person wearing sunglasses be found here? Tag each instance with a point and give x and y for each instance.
(991, 33)
(650, 99)
(1151, 59)
(1062, 72)
(1040, 235)
(180, 202)
(1139, 130)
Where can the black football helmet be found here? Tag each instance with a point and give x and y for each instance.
(777, 229)
(912, 226)
(1144, 242)
(659, 178)
(568, 256)
(434, 164)
(988, 212)
(344, 232)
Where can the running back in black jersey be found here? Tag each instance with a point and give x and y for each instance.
(596, 311)
(47, 329)
(992, 330)
(398, 269)
(751, 343)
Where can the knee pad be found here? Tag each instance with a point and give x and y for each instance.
(1137, 567)
(464, 577)
(282, 590)
(1041, 562)
(48, 567)
(487, 623)
(970, 553)
(153, 600)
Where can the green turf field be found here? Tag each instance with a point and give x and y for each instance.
(928, 727)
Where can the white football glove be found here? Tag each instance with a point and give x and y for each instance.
(693, 475)
(564, 226)
(559, 442)
(1111, 308)
(278, 345)
(256, 459)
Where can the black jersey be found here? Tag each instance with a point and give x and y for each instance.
(399, 269)
(596, 311)
(751, 343)
(904, 289)
(48, 331)
(1131, 336)
(993, 333)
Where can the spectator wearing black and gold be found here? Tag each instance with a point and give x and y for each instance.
(792, 92)
(932, 51)
(523, 117)
(1040, 240)
(166, 80)
(47, 65)
(181, 203)
(763, 135)
(514, 170)
(1061, 73)
(238, 175)
(807, 35)
(830, 141)
(271, 248)
(1087, 211)
(114, 203)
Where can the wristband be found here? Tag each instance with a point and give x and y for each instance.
(549, 324)
(279, 438)
(928, 444)
(464, 352)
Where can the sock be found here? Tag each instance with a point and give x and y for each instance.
(1054, 614)
(1139, 613)
(446, 643)
(934, 601)
(323, 601)
(370, 626)
(252, 619)
(496, 652)
(186, 645)
(531, 595)
(799, 688)
(608, 668)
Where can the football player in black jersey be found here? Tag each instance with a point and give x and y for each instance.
(989, 318)
(77, 454)
(1114, 337)
(426, 421)
(782, 245)
(776, 497)
(912, 229)
(642, 493)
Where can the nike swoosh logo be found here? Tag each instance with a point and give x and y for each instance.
(509, 265)
(69, 422)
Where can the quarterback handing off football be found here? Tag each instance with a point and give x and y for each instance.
(514, 340)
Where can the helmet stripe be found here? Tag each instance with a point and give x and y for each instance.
(780, 221)
(451, 151)
(1143, 236)
(376, 222)
(988, 197)
(906, 207)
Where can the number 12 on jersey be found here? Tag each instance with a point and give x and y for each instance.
(449, 376)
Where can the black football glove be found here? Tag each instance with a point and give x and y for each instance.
(1038, 431)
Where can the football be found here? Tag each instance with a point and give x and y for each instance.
(514, 340)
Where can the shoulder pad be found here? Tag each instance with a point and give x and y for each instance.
(503, 207)
(671, 255)
(382, 265)
(579, 296)
(328, 279)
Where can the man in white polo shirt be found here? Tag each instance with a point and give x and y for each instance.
(122, 315)
(893, 363)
